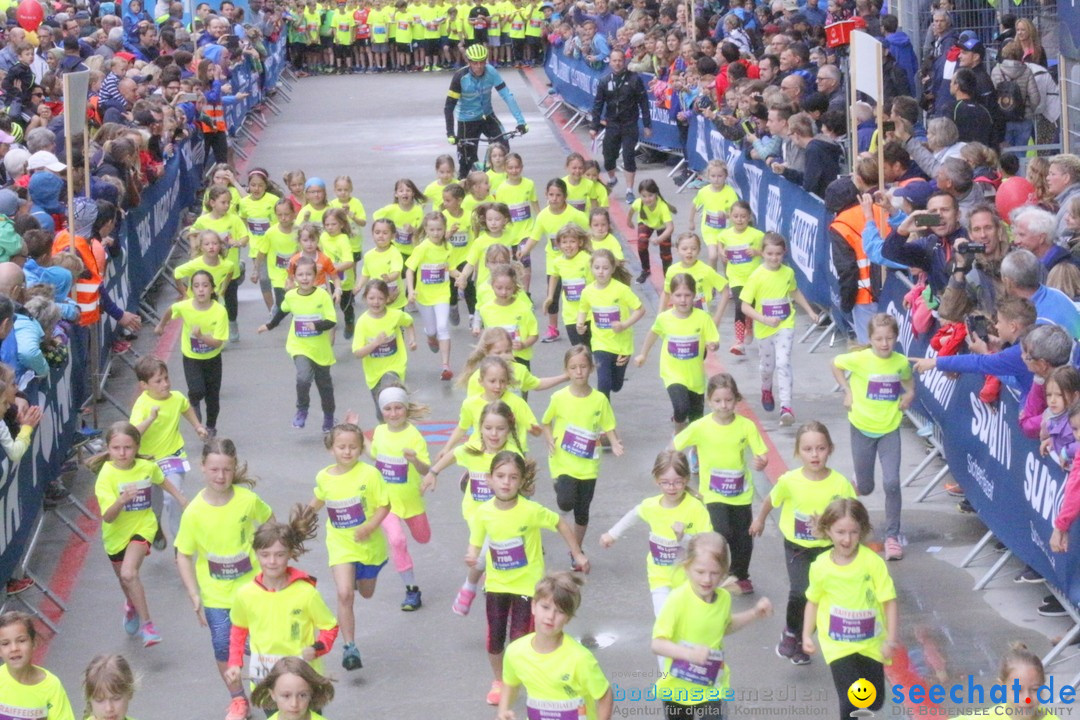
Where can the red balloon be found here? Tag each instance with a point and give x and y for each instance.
(1013, 193)
(29, 15)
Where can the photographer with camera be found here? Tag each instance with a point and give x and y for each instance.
(926, 240)
(977, 261)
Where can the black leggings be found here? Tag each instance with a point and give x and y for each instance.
(347, 308)
(509, 617)
(733, 522)
(219, 145)
(232, 305)
(798, 560)
(471, 130)
(686, 406)
(470, 292)
(203, 379)
(609, 373)
(577, 338)
(847, 670)
(575, 494)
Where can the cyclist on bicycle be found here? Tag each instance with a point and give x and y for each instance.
(472, 85)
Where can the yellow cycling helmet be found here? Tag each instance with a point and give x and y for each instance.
(476, 53)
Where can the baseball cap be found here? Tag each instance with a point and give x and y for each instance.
(637, 39)
(125, 56)
(9, 203)
(973, 45)
(965, 36)
(45, 160)
(791, 5)
(917, 193)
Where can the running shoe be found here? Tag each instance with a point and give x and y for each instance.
(737, 349)
(238, 709)
(787, 417)
(447, 374)
(150, 636)
(412, 599)
(893, 549)
(629, 196)
(495, 693)
(643, 276)
(767, 401)
(350, 658)
(131, 619)
(745, 586)
(455, 316)
(799, 657)
(551, 335)
(433, 344)
(788, 645)
(1052, 608)
(463, 602)
(300, 419)
(327, 423)
(1028, 575)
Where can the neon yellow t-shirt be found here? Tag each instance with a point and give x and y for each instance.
(377, 19)
(580, 196)
(655, 218)
(46, 700)
(401, 478)
(548, 225)
(282, 623)
(162, 438)
(388, 357)
(354, 208)
(459, 234)
(714, 207)
(682, 359)
(303, 338)
(662, 559)
(769, 292)
(410, 219)
(576, 273)
(515, 560)
(430, 264)
(523, 381)
(136, 517)
(739, 262)
(344, 26)
(477, 466)
(403, 26)
(518, 318)
(433, 192)
(279, 247)
(602, 307)
(339, 249)
(801, 500)
(495, 179)
(577, 424)
(686, 618)
(232, 230)
(351, 498)
(707, 281)
(520, 199)
(725, 475)
(222, 273)
(560, 683)
(851, 600)
(876, 389)
(536, 22)
(608, 242)
(213, 322)
(378, 263)
(473, 406)
(258, 214)
(221, 535)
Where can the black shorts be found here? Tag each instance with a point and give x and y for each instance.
(686, 405)
(575, 494)
(431, 45)
(403, 47)
(533, 41)
(362, 42)
(313, 47)
(135, 540)
(326, 41)
(342, 51)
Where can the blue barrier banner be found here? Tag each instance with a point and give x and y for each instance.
(1015, 491)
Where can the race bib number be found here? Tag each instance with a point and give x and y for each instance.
(199, 347)
(345, 513)
(571, 709)
(378, 31)
(776, 309)
(577, 204)
(728, 483)
(664, 551)
(258, 226)
(683, 347)
(706, 674)
(403, 238)
(281, 262)
(738, 254)
(716, 220)
(304, 325)
(804, 528)
(261, 665)
(174, 465)
(141, 501)
(852, 625)
(572, 289)
(387, 349)
(433, 274)
(229, 567)
(520, 212)
(459, 240)
(508, 554)
(883, 387)
(579, 442)
(395, 470)
(479, 488)
(605, 317)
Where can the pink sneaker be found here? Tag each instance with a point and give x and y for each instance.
(893, 549)
(495, 693)
(462, 604)
(551, 335)
(238, 709)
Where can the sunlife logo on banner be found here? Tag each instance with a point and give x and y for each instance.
(993, 430)
(803, 235)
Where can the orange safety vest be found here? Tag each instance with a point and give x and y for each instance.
(849, 225)
(215, 113)
(88, 288)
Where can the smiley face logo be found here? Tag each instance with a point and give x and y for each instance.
(862, 693)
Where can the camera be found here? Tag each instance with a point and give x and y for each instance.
(973, 247)
(978, 326)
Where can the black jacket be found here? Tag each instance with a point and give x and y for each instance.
(823, 159)
(620, 100)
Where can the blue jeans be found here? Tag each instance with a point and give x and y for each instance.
(1018, 132)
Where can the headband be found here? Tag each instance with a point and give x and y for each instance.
(260, 173)
(315, 182)
(392, 395)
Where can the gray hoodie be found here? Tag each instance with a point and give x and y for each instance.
(1019, 73)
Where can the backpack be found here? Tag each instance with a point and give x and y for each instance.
(1010, 101)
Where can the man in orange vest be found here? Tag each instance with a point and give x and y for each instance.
(859, 279)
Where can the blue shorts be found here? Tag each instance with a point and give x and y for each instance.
(368, 572)
(495, 40)
(220, 626)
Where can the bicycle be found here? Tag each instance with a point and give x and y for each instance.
(465, 143)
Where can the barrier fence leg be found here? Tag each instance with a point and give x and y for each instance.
(930, 457)
(258, 119)
(970, 557)
(574, 116)
(933, 484)
(814, 328)
(994, 570)
(274, 106)
(581, 117)
(677, 168)
(692, 177)
(1052, 657)
(553, 108)
(821, 338)
(34, 611)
